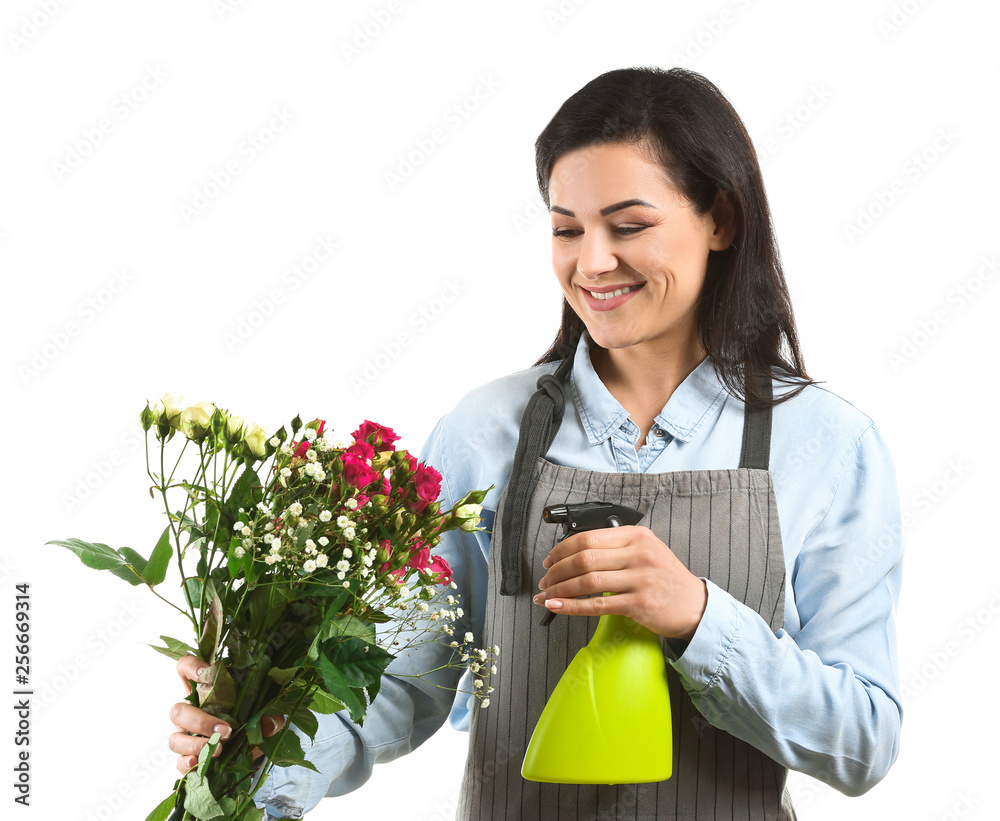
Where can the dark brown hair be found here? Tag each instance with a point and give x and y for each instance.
(682, 121)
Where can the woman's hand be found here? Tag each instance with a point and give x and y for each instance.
(651, 584)
(195, 726)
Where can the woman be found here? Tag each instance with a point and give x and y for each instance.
(769, 554)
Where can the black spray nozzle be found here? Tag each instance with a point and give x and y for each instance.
(587, 516)
(590, 516)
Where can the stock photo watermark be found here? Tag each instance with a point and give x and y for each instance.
(886, 197)
(88, 310)
(96, 643)
(968, 630)
(367, 32)
(101, 470)
(266, 306)
(246, 152)
(710, 32)
(419, 320)
(454, 116)
(223, 8)
(33, 24)
(145, 766)
(899, 15)
(789, 123)
(122, 107)
(928, 327)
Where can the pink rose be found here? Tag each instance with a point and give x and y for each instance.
(362, 450)
(301, 449)
(357, 472)
(427, 482)
(420, 558)
(442, 568)
(383, 436)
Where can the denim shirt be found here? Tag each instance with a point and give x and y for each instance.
(821, 696)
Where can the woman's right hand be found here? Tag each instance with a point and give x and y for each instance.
(195, 726)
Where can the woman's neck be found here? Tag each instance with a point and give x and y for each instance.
(643, 377)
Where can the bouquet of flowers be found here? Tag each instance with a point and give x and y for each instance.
(292, 549)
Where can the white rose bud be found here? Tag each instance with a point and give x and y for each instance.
(235, 428)
(196, 420)
(256, 440)
(470, 513)
(169, 409)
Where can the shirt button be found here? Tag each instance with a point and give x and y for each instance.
(659, 432)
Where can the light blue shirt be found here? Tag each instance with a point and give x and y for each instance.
(822, 696)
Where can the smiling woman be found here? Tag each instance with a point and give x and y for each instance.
(674, 387)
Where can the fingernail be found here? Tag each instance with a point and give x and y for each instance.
(542, 584)
(547, 562)
(222, 730)
(553, 604)
(539, 598)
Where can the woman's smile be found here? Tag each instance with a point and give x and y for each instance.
(607, 299)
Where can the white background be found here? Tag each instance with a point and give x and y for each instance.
(880, 316)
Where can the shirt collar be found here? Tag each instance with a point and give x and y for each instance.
(693, 403)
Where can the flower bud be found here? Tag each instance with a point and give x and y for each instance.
(235, 429)
(196, 420)
(255, 440)
(146, 418)
(469, 514)
(171, 404)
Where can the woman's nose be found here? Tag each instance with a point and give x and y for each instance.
(596, 256)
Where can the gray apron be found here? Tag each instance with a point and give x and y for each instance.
(723, 525)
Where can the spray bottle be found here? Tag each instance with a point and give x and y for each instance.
(608, 718)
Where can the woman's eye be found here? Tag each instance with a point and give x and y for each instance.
(621, 229)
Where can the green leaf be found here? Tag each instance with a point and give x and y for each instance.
(338, 686)
(101, 557)
(163, 809)
(174, 649)
(216, 689)
(235, 564)
(305, 720)
(323, 702)
(198, 798)
(211, 632)
(155, 570)
(282, 675)
(347, 626)
(131, 557)
(357, 661)
(192, 592)
(285, 750)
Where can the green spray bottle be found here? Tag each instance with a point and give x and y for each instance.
(608, 718)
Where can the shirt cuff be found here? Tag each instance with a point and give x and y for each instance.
(702, 662)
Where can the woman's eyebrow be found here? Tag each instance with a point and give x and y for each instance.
(618, 206)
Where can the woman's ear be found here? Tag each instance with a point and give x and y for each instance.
(724, 217)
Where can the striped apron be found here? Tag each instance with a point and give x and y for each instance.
(723, 525)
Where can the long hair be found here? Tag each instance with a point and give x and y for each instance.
(682, 121)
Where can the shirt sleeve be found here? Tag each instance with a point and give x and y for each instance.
(826, 701)
(407, 710)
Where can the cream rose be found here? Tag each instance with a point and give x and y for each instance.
(196, 420)
(256, 439)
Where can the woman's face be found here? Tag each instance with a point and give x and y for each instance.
(618, 224)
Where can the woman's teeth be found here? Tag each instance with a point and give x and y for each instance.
(619, 292)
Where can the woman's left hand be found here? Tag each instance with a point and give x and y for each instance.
(651, 584)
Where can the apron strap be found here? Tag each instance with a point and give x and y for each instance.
(756, 451)
(539, 425)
